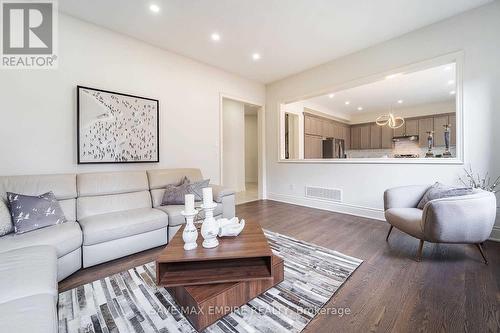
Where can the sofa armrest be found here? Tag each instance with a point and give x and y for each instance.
(220, 192)
(463, 219)
(404, 196)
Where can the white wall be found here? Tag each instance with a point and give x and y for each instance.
(233, 149)
(477, 33)
(38, 107)
(251, 149)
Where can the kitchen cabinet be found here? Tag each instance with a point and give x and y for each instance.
(375, 136)
(424, 125)
(387, 134)
(313, 146)
(411, 127)
(399, 131)
(365, 137)
(355, 137)
(346, 135)
(439, 123)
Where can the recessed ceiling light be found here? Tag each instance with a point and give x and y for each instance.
(453, 92)
(360, 108)
(347, 103)
(450, 82)
(154, 8)
(215, 37)
(331, 95)
(400, 101)
(256, 56)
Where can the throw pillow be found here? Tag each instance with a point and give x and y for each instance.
(174, 194)
(5, 220)
(438, 191)
(34, 212)
(196, 188)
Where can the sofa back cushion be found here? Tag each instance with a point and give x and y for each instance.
(160, 178)
(107, 192)
(63, 186)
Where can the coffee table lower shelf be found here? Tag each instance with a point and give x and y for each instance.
(203, 305)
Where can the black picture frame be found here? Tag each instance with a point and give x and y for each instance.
(78, 117)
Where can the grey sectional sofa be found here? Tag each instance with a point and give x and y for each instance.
(110, 215)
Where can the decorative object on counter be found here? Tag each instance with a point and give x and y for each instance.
(231, 227)
(209, 227)
(390, 120)
(190, 233)
(430, 140)
(477, 181)
(447, 133)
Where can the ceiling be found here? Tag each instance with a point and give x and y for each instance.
(290, 35)
(432, 85)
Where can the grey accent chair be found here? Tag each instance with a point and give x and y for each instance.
(465, 219)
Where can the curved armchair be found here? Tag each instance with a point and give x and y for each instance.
(465, 219)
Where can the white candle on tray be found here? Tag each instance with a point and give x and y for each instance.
(189, 203)
(207, 196)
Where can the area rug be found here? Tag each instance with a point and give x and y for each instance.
(131, 302)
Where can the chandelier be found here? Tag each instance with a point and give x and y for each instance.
(390, 120)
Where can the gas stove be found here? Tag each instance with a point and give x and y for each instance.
(406, 156)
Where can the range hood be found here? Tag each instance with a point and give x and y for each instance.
(405, 138)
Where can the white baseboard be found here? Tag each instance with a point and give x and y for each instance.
(338, 207)
(495, 234)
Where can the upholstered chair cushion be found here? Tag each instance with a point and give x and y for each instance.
(408, 220)
(438, 191)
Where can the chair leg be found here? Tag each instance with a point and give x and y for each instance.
(388, 234)
(482, 253)
(420, 248)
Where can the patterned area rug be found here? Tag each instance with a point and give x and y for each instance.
(131, 302)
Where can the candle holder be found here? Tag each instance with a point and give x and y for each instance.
(190, 233)
(209, 227)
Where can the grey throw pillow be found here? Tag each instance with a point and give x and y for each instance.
(5, 220)
(34, 212)
(174, 194)
(438, 191)
(196, 188)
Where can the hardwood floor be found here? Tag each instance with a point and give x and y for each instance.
(450, 290)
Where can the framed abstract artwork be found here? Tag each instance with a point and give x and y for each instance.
(116, 128)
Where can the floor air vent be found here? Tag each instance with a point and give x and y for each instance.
(330, 194)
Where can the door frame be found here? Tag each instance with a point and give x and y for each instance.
(261, 138)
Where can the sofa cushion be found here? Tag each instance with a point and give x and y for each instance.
(28, 271)
(65, 237)
(5, 220)
(408, 220)
(34, 212)
(32, 314)
(107, 227)
(105, 183)
(174, 213)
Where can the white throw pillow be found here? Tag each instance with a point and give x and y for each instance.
(5, 220)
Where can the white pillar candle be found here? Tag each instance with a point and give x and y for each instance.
(207, 196)
(189, 203)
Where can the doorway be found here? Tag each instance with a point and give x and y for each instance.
(240, 148)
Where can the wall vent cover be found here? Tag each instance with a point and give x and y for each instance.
(323, 193)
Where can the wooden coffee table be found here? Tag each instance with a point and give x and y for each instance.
(207, 284)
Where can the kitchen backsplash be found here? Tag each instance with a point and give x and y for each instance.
(401, 148)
